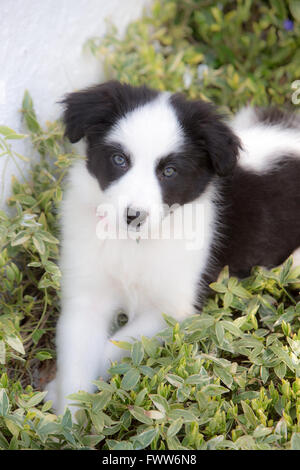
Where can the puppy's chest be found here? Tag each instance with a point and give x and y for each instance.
(153, 273)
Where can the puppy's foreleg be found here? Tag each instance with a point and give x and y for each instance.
(82, 333)
(146, 324)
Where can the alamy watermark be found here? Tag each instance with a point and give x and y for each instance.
(188, 223)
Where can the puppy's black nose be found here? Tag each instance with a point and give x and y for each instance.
(135, 217)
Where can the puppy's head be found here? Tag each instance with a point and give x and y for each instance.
(149, 149)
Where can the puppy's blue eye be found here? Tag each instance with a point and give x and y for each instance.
(169, 171)
(119, 160)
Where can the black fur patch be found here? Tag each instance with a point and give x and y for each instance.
(206, 132)
(210, 148)
(100, 162)
(259, 216)
(92, 112)
(193, 173)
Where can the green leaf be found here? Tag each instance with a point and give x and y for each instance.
(140, 414)
(101, 400)
(285, 270)
(230, 326)
(295, 441)
(119, 369)
(262, 431)
(175, 427)
(295, 9)
(36, 399)
(3, 442)
(175, 380)
(37, 334)
(101, 385)
(39, 244)
(249, 414)
(130, 379)
(122, 344)
(21, 238)
(10, 134)
(148, 371)
(151, 346)
(140, 396)
(186, 415)
(239, 291)
(47, 237)
(144, 439)
(137, 353)
(47, 406)
(160, 403)
(29, 114)
(228, 298)
(67, 420)
(219, 332)
(122, 445)
(280, 370)
(15, 343)
(224, 375)
(214, 390)
(43, 355)
(2, 352)
(264, 373)
(91, 440)
(4, 402)
(218, 287)
(195, 379)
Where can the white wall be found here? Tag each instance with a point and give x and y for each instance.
(41, 50)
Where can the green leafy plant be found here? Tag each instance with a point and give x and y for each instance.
(226, 379)
(229, 52)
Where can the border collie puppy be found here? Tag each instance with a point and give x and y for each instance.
(152, 159)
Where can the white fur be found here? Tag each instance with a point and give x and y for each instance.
(296, 257)
(102, 277)
(263, 143)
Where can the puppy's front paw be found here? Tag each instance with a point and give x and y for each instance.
(52, 394)
(58, 404)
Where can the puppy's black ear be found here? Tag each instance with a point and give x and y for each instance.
(206, 128)
(91, 112)
(91, 107)
(74, 115)
(222, 146)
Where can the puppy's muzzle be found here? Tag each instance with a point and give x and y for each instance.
(135, 218)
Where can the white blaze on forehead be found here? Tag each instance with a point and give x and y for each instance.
(150, 131)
